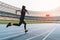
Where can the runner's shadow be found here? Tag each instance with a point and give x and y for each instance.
(15, 37)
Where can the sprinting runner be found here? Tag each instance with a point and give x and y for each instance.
(23, 12)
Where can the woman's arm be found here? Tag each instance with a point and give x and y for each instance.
(27, 12)
(18, 11)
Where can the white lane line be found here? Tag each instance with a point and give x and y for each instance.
(14, 35)
(37, 35)
(10, 36)
(49, 33)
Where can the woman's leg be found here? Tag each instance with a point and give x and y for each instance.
(18, 23)
(24, 25)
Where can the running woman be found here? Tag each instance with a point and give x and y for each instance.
(23, 12)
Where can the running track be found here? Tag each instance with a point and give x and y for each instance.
(48, 31)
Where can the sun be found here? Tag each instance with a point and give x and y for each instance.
(47, 15)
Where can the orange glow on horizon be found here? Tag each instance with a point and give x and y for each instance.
(47, 14)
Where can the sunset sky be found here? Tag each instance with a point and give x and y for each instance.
(35, 5)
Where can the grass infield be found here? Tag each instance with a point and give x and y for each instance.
(16, 21)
